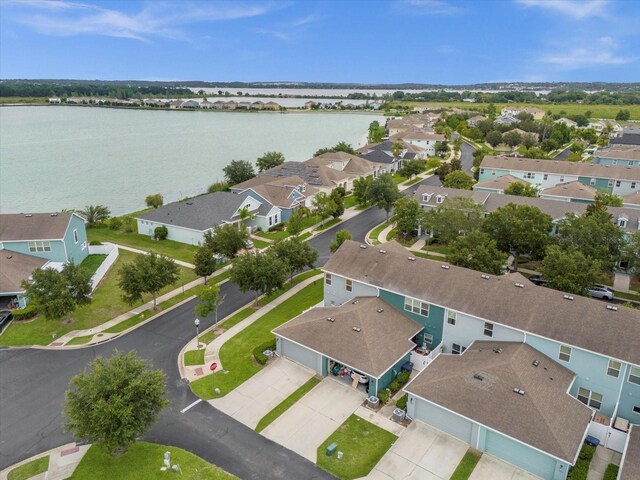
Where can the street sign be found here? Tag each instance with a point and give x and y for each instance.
(213, 367)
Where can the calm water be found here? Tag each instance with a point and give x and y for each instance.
(68, 157)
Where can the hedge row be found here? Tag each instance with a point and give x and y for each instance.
(260, 357)
(29, 311)
(401, 379)
(581, 469)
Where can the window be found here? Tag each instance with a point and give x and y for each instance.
(416, 306)
(630, 163)
(270, 221)
(545, 177)
(75, 236)
(482, 171)
(457, 349)
(634, 375)
(529, 175)
(633, 184)
(610, 183)
(590, 398)
(451, 317)
(565, 353)
(439, 198)
(488, 329)
(614, 162)
(327, 278)
(561, 179)
(636, 409)
(428, 338)
(39, 247)
(622, 222)
(348, 286)
(618, 183)
(613, 370)
(592, 181)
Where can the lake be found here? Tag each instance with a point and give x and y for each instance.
(69, 157)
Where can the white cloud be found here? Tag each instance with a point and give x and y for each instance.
(601, 51)
(429, 7)
(578, 9)
(447, 49)
(292, 30)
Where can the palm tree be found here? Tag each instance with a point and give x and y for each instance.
(396, 150)
(95, 214)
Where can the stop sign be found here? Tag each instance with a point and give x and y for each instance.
(213, 367)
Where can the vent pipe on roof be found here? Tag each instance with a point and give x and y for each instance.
(54, 214)
(486, 277)
(535, 363)
(28, 215)
(380, 310)
(612, 308)
(356, 329)
(411, 259)
(383, 252)
(331, 319)
(477, 376)
(497, 350)
(364, 247)
(518, 391)
(355, 302)
(446, 267)
(568, 297)
(519, 285)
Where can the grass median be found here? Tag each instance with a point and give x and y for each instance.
(30, 469)
(287, 403)
(236, 354)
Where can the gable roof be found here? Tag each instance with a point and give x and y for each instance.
(384, 337)
(498, 183)
(545, 417)
(350, 163)
(573, 189)
(319, 175)
(627, 152)
(199, 213)
(632, 199)
(16, 267)
(534, 309)
(33, 226)
(279, 191)
(592, 170)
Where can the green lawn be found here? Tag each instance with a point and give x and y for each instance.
(350, 201)
(373, 236)
(275, 235)
(142, 462)
(466, 465)
(106, 305)
(220, 277)
(92, 262)
(304, 236)
(194, 357)
(430, 257)
(282, 407)
(80, 340)
(260, 243)
(179, 251)
(328, 224)
(226, 324)
(236, 354)
(30, 469)
(363, 445)
(398, 179)
(412, 181)
(34, 100)
(437, 248)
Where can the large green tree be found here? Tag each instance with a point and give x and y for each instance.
(519, 230)
(459, 179)
(59, 293)
(341, 237)
(114, 401)
(295, 253)
(210, 300)
(454, 217)
(156, 200)
(410, 168)
(269, 160)
(259, 272)
(570, 270)
(338, 147)
(360, 186)
(631, 252)
(95, 214)
(494, 138)
(407, 215)
(146, 274)
(521, 189)
(383, 193)
(204, 262)
(226, 240)
(512, 138)
(324, 205)
(238, 171)
(477, 251)
(295, 225)
(376, 132)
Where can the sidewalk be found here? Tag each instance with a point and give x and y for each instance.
(62, 462)
(212, 350)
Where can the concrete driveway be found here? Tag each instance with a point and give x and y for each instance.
(314, 417)
(261, 393)
(421, 453)
(492, 468)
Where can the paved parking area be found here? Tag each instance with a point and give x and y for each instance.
(265, 390)
(492, 468)
(314, 417)
(421, 453)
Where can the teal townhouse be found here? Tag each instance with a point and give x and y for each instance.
(623, 155)
(37, 240)
(544, 174)
(522, 372)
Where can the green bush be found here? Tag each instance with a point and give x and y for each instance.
(400, 381)
(611, 473)
(587, 452)
(95, 242)
(130, 224)
(161, 233)
(115, 223)
(581, 469)
(384, 396)
(402, 402)
(260, 357)
(277, 228)
(29, 311)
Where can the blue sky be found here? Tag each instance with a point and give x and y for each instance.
(395, 41)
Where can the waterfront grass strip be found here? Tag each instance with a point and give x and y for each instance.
(287, 403)
(236, 353)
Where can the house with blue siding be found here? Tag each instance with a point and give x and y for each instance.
(581, 351)
(623, 155)
(37, 240)
(617, 179)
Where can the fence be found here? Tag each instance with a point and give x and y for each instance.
(111, 251)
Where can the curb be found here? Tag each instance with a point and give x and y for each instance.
(4, 473)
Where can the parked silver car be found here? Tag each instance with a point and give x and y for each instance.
(600, 291)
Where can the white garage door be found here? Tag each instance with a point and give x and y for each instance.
(300, 354)
(518, 454)
(443, 420)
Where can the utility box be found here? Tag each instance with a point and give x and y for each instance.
(331, 449)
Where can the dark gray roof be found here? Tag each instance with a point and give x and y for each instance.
(33, 226)
(384, 336)
(377, 156)
(307, 173)
(198, 213)
(16, 267)
(538, 310)
(545, 417)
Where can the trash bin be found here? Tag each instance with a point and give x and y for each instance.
(331, 449)
(593, 441)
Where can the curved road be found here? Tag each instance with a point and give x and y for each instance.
(33, 382)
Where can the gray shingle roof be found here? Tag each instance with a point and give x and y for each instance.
(545, 417)
(630, 468)
(384, 337)
(16, 267)
(198, 213)
(36, 226)
(534, 309)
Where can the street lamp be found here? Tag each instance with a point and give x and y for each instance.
(197, 322)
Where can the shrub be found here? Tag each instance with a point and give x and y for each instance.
(95, 242)
(581, 468)
(611, 473)
(384, 396)
(401, 379)
(115, 223)
(587, 452)
(260, 357)
(161, 233)
(29, 311)
(277, 228)
(402, 402)
(130, 224)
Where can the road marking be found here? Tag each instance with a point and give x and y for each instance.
(190, 406)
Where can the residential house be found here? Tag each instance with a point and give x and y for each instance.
(495, 185)
(175, 104)
(630, 463)
(549, 173)
(537, 113)
(218, 105)
(473, 121)
(382, 153)
(309, 104)
(506, 120)
(570, 192)
(55, 100)
(628, 136)
(601, 125)
(568, 122)
(624, 155)
(206, 104)
(188, 220)
(397, 125)
(37, 240)
(272, 106)
(190, 104)
(230, 105)
(517, 370)
(632, 200)
(424, 140)
(257, 105)
(244, 106)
